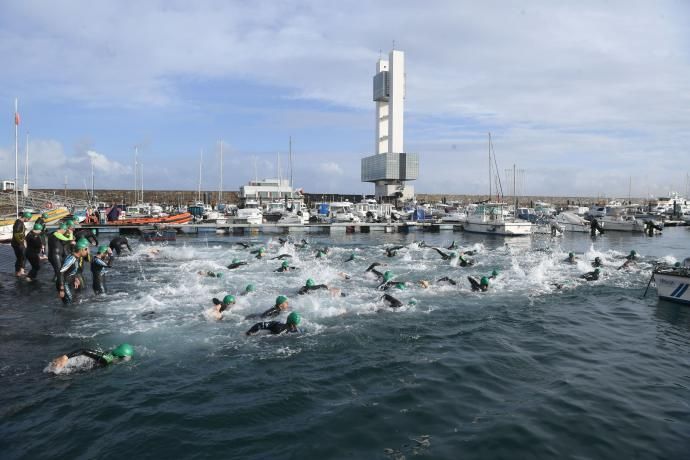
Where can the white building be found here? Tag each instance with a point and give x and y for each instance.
(390, 167)
(267, 190)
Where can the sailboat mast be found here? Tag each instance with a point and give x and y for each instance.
(26, 168)
(141, 200)
(290, 150)
(220, 188)
(136, 173)
(16, 154)
(490, 176)
(201, 160)
(92, 178)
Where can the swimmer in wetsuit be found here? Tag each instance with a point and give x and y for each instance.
(571, 259)
(219, 306)
(244, 245)
(99, 264)
(281, 257)
(56, 248)
(481, 285)
(123, 352)
(597, 262)
(443, 255)
(236, 263)
(88, 234)
(34, 246)
(320, 254)
(389, 283)
(118, 243)
(372, 269)
(280, 306)
(453, 245)
(261, 252)
(69, 279)
(210, 274)
(249, 289)
(446, 281)
(352, 257)
(591, 276)
(18, 242)
(302, 244)
(276, 327)
(392, 251)
(311, 286)
(285, 267)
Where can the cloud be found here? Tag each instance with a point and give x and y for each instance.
(103, 164)
(331, 168)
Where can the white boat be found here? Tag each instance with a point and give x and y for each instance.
(672, 283)
(571, 222)
(454, 217)
(250, 214)
(489, 218)
(341, 211)
(616, 219)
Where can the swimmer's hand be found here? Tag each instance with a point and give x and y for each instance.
(60, 361)
(76, 283)
(216, 301)
(61, 294)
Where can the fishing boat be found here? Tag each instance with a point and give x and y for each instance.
(617, 219)
(489, 218)
(672, 282)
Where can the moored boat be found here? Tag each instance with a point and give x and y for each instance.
(673, 282)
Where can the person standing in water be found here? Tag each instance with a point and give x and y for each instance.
(118, 243)
(56, 248)
(99, 264)
(34, 246)
(69, 279)
(18, 242)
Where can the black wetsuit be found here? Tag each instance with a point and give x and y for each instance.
(373, 270)
(274, 327)
(87, 234)
(270, 313)
(391, 301)
(386, 285)
(351, 258)
(43, 233)
(68, 273)
(391, 252)
(590, 276)
(308, 289)
(447, 280)
(100, 358)
(56, 251)
(443, 255)
(18, 236)
(452, 246)
(117, 243)
(234, 265)
(285, 269)
(476, 285)
(98, 271)
(464, 262)
(34, 244)
(597, 263)
(281, 257)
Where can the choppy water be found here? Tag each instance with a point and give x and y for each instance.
(524, 371)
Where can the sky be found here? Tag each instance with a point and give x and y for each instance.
(586, 98)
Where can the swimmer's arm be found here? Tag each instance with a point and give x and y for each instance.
(257, 327)
(271, 312)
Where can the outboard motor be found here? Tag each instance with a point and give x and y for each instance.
(595, 226)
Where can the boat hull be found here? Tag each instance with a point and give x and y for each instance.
(499, 228)
(673, 287)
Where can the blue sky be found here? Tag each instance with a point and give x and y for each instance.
(582, 96)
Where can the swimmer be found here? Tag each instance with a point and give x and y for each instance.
(446, 281)
(220, 306)
(591, 276)
(280, 306)
(303, 244)
(88, 234)
(389, 283)
(481, 285)
(284, 267)
(320, 254)
(276, 327)
(244, 245)
(372, 269)
(444, 255)
(632, 255)
(68, 278)
(56, 248)
(249, 289)
(281, 257)
(453, 246)
(424, 283)
(391, 301)
(494, 275)
(352, 257)
(236, 263)
(118, 243)
(123, 352)
(463, 262)
(34, 246)
(99, 264)
(627, 264)
(261, 252)
(597, 262)
(422, 244)
(18, 242)
(392, 251)
(571, 259)
(210, 274)
(310, 286)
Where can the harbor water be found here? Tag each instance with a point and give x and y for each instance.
(525, 370)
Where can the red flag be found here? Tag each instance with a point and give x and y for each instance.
(16, 118)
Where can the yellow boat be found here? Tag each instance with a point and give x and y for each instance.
(53, 216)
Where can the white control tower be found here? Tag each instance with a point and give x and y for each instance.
(390, 167)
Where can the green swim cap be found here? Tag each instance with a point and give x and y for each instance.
(38, 226)
(102, 249)
(571, 255)
(235, 261)
(44, 215)
(412, 302)
(262, 249)
(453, 254)
(387, 276)
(82, 243)
(70, 223)
(219, 275)
(633, 253)
(285, 264)
(484, 281)
(26, 215)
(353, 255)
(677, 264)
(123, 351)
(320, 254)
(94, 231)
(597, 270)
(63, 226)
(281, 299)
(310, 282)
(494, 273)
(401, 286)
(250, 288)
(229, 299)
(294, 318)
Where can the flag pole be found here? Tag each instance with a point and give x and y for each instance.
(16, 154)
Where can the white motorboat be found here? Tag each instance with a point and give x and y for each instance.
(250, 214)
(454, 217)
(341, 211)
(489, 218)
(616, 219)
(571, 222)
(672, 282)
